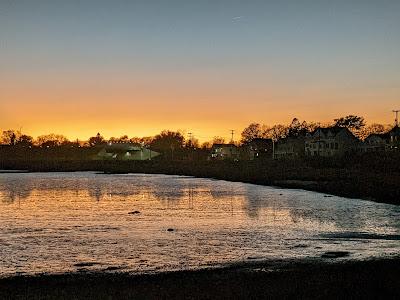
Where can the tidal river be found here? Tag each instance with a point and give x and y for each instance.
(67, 222)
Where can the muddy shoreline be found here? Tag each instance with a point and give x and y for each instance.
(379, 184)
(301, 279)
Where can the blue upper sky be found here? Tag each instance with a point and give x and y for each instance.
(284, 58)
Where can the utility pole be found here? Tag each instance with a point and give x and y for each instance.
(190, 143)
(20, 133)
(396, 121)
(232, 132)
(190, 137)
(273, 148)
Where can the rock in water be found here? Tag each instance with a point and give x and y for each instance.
(335, 254)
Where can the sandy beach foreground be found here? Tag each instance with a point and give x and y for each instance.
(317, 279)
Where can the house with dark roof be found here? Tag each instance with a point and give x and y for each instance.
(224, 151)
(388, 141)
(125, 151)
(394, 138)
(331, 141)
(258, 148)
(289, 147)
(376, 143)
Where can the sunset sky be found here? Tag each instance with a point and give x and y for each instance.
(137, 67)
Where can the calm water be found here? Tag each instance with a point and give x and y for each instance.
(57, 222)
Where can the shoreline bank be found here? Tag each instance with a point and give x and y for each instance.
(379, 185)
(329, 279)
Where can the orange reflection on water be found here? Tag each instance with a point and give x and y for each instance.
(59, 222)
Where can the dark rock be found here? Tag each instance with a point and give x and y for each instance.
(335, 254)
(85, 264)
(170, 229)
(136, 212)
(253, 257)
(300, 246)
(112, 268)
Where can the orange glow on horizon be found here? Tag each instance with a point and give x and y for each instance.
(79, 108)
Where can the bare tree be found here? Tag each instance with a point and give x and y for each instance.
(351, 122)
(10, 137)
(25, 141)
(168, 142)
(218, 140)
(373, 129)
(51, 140)
(251, 132)
(96, 140)
(278, 132)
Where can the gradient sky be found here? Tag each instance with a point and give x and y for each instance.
(137, 67)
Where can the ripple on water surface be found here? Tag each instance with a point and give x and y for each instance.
(58, 222)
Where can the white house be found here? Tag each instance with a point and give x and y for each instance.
(125, 151)
(224, 151)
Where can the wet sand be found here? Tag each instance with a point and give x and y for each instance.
(329, 278)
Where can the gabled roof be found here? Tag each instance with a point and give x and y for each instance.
(333, 130)
(118, 147)
(384, 136)
(291, 139)
(395, 131)
(223, 145)
(260, 141)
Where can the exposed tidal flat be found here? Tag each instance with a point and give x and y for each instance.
(87, 235)
(305, 279)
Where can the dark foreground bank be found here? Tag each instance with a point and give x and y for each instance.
(374, 279)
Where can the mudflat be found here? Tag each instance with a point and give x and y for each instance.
(330, 278)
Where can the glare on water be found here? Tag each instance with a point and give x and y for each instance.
(60, 222)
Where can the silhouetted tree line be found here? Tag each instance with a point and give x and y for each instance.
(296, 128)
(173, 144)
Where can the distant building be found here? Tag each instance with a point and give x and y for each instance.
(125, 151)
(394, 136)
(224, 151)
(290, 147)
(376, 143)
(388, 141)
(331, 141)
(258, 148)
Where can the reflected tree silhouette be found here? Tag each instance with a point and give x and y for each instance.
(345, 214)
(13, 190)
(167, 193)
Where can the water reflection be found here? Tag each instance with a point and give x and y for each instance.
(56, 221)
(15, 190)
(252, 199)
